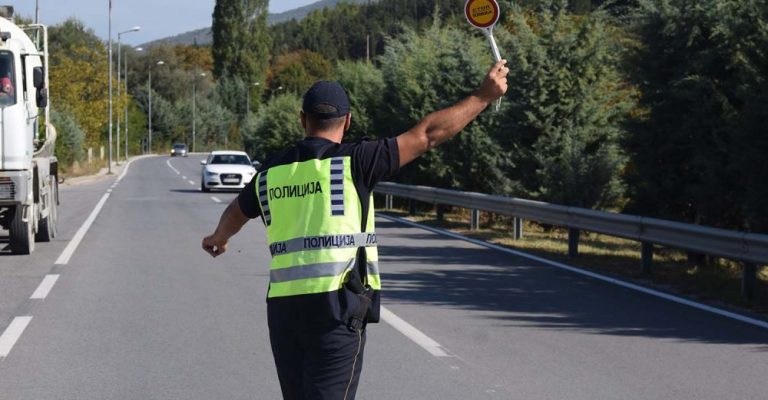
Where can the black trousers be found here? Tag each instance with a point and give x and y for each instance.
(317, 363)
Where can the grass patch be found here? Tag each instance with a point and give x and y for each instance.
(711, 280)
(82, 169)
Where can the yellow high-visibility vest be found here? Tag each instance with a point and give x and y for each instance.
(313, 216)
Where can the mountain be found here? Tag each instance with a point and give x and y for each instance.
(203, 36)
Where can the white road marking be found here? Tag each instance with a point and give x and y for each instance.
(656, 293)
(125, 171)
(171, 167)
(72, 246)
(191, 182)
(414, 334)
(12, 334)
(45, 287)
(216, 199)
(183, 177)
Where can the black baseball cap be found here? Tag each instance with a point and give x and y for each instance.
(326, 100)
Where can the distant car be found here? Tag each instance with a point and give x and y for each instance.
(179, 149)
(227, 170)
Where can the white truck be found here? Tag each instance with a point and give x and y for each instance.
(28, 166)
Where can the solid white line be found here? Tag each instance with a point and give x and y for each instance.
(215, 199)
(171, 167)
(125, 171)
(632, 286)
(12, 334)
(191, 182)
(414, 334)
(72, 246)
(45, 287)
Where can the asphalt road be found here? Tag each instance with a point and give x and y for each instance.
(140, 312)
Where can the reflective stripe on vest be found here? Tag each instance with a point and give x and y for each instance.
(262, 193)
(317, 271)
(337, 187)
(313, 214)
(323, 242)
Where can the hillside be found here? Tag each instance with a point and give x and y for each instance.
(203, 36)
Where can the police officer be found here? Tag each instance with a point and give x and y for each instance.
(316, 202)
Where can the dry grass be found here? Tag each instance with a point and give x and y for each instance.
(83, 169)
(711, 280)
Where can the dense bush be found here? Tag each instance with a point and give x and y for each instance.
(70, 142)
(568, 102)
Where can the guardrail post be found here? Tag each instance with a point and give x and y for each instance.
(440, 211)
(475, 220)
(647, 257)
(748, 281)
(517, 228)
(573, 242)
(411, 207)
(388, 202)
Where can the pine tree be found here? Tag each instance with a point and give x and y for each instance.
(241, 40)
(702, 74)
(432, 69)
(567, 102)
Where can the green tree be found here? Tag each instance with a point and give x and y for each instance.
(241, 40)
(78, 84)
(70, 142)
(429, 70)
(277, 126)
(232, 94)
(214, 124)
(567, 101)
(297, 71)
(78, 77)
(702, 73)
(365, 84)
(66, 38)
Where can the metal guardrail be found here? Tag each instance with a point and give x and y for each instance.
(749, 248)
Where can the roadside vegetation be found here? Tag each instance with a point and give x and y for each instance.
(651, 107)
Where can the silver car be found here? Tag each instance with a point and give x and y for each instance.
(179, 149)
(227, 170)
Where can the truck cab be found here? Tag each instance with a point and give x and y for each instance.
(28, 166)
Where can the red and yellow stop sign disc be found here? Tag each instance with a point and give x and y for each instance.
(482, 13)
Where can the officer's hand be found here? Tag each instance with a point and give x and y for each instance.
(495, 83)
(214, 246)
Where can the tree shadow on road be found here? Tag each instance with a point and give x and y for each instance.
(449, 272)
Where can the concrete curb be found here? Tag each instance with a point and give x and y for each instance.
(102, 174)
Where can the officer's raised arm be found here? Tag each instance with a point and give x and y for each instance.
(232, 220)
(442, 125)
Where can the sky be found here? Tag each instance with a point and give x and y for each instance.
(157, 18)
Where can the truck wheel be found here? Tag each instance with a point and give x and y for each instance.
(47, 227)
(22, 236)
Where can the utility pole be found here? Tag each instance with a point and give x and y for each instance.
(126, 105)
(109, 162)
(37, 11)
(194, 107)
(149, 132)
(150, 106)
(119, 52)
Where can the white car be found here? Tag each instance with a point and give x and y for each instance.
(227, 170)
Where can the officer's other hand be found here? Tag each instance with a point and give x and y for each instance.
(214, 246)
(495, 83)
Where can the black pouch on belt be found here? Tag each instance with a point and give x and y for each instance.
(363, 292)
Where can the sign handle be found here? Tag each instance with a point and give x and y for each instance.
(496, 55)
